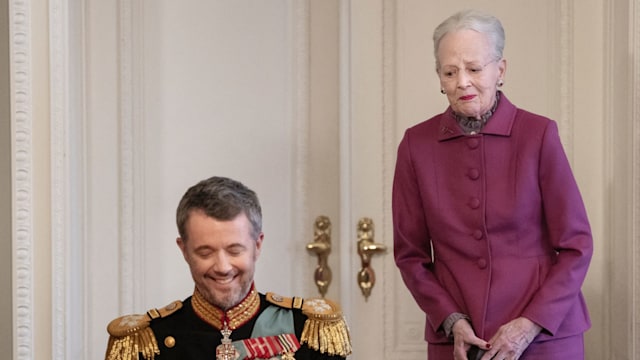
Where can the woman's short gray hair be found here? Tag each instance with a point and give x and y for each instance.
(475, 20)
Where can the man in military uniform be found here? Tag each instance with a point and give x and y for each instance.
(220, 226)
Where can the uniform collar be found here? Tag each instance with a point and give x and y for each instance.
(500, 123)
(235, 317)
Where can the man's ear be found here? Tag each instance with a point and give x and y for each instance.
(181, 244)
(259, 244)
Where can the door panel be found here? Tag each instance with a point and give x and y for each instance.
(202, 88)
(392, 85)
(216, 101)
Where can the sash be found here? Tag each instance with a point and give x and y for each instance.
(273, 337)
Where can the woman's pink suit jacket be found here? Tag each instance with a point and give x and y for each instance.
(491, 225)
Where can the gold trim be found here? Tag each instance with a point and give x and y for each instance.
(327, 336)
(325, 329)
(153, 313)
(297, 303)
(131, 335)
(321, 309)
(236, 316)
(127, 325)
(284, 302)
(169, 309)
(143, 341)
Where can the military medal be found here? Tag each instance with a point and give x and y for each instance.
(289, 344)
(226, 350)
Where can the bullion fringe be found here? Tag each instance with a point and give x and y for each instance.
(131, 335)
(327, 336)
(128, 347)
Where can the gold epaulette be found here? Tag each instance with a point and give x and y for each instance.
(131, 335)
(325, 330)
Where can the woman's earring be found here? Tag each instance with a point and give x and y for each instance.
(442, 91)
(500, 83)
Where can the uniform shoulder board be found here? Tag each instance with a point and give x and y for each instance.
(325, 330)
(131, 334)
(285, 302)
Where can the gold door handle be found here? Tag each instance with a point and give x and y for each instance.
(321, 246)
(366, 249)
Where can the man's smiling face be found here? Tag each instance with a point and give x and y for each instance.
(221, 256)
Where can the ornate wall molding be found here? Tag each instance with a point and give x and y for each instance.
(621, 302)
(344, 130)
(131, 152)
(299, 20)
(407, 339)
(22, 178)
(566, 15)
(125, 229)
(396, 341)
(635, 215)
(61, 241)
(67, 172)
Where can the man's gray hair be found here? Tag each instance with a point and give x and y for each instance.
(222, 199)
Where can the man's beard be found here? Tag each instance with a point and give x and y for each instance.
(227, 300)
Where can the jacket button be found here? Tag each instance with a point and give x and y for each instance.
(477, 234)
(473, 143)
(474, 203)
(482, 263)
(473, 174)
(169, 342)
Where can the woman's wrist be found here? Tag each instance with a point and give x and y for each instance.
(451, 320)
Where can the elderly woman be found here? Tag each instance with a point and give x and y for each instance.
(490, 232)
